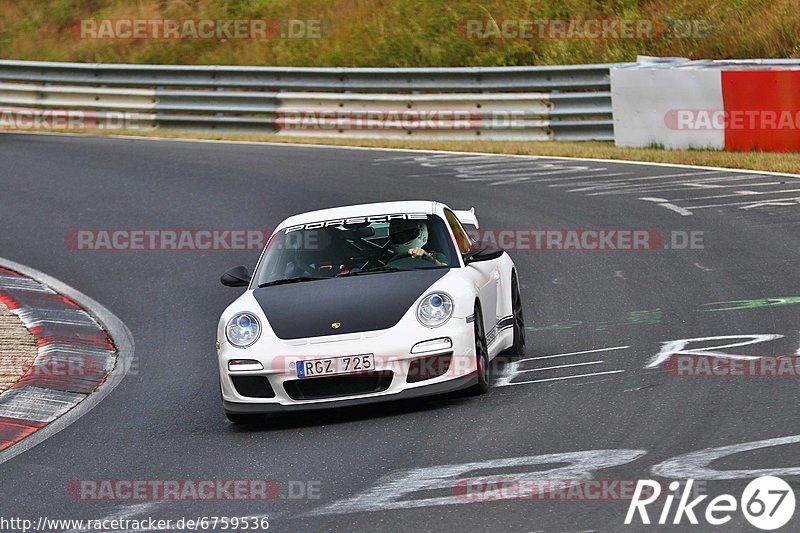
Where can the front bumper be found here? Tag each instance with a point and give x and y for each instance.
(392, 352)
(443, 387)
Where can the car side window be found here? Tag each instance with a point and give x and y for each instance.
(462, 239)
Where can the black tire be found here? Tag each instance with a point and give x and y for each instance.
(518, 348)
(244, 418)
(481, 357)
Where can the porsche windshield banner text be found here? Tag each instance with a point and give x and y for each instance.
(357, 220)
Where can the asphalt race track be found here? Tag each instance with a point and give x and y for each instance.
(619, 415)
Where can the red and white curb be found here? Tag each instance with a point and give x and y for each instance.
(75, 358)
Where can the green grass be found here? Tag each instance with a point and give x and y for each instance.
(391, 33)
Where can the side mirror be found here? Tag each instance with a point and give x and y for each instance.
(236, 277)
(482, 254)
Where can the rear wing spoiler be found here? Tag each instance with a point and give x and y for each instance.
(467, 217)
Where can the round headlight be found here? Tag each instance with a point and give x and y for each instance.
(435, 309)
(243, 330)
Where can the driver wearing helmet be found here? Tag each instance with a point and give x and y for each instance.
(408, 238)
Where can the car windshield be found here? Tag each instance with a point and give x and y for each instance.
(356, 246)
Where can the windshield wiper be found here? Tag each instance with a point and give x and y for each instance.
(375, 270)
(288, 280)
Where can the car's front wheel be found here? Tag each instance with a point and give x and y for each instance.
(481, 356)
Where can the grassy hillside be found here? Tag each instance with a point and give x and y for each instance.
(402, 32)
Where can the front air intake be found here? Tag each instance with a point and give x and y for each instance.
(337, 386)
(253, 386)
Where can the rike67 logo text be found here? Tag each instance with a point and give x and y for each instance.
(767, 502)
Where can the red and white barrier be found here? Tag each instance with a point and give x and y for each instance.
(707, 104)
(75, 356)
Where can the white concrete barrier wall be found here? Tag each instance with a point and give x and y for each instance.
(647, 104)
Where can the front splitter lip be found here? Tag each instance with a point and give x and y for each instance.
(442, 387)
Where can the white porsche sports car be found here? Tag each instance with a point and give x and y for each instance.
(366, 303)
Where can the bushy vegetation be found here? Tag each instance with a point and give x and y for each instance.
(403, 32)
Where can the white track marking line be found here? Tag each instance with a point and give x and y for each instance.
(778, 202)
(680, 175)
(594, 177)
(482, 176)
(737, 194)
(791, 200)
(550, 170)
(677, 187)
(560, 366)
(563, 378)
(572, 353)
(509, 182)
(545, 171)
(625, 182)
(661, 176)
(701, 186)
(629, 189)
(508, 167)
(539, 170)
(429, 175)
(488, 166)
(743, 192)
(664, 203)
(531, 174)
(531, 177)
(448, 162)
(515, 167)
(455, 161)
(725, 178)
(466, 174)
(676, 175)
(678, 209)
(512, 370)
(670, 186)
(688, 187)
(704, 185)
(441, 156)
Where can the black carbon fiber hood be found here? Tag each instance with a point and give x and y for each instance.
(358, 303)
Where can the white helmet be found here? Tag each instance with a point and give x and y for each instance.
(407, 234)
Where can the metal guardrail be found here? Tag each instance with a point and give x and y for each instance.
(523, 103)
